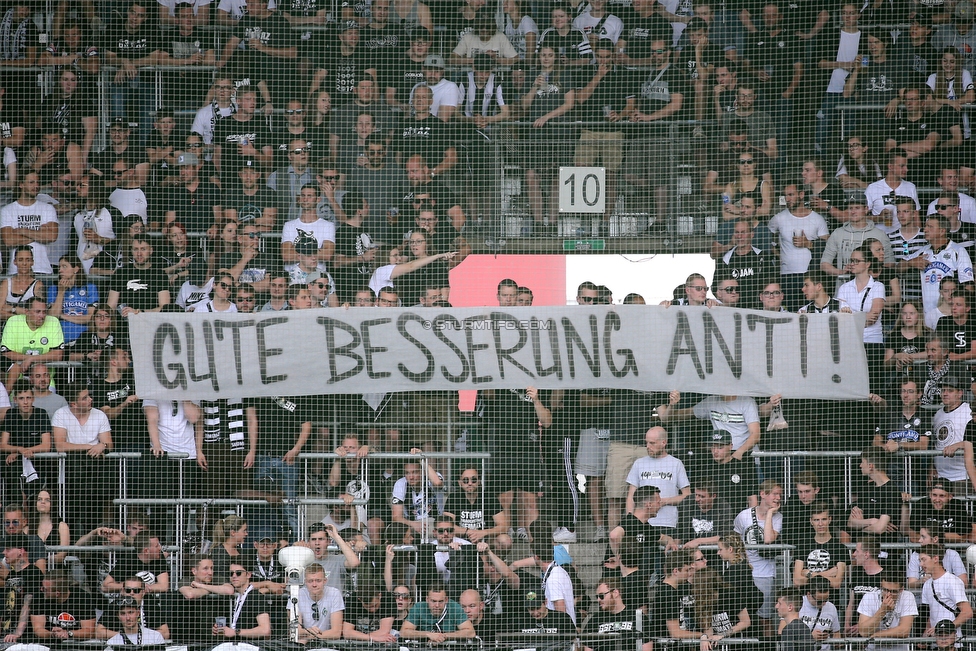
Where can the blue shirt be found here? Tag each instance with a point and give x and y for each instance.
(76, 303)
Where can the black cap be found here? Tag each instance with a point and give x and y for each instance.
(534, 600)
(945, 627)
(856, 198)
(956, 380)
(720, 437)
(16, 541)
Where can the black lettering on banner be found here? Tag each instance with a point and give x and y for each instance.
(348, 350)
(612, 324)
(752, 320)
(833, 325)
(734, 362)
(165, 333)
(505, 354)
(439, 333)
(573, 338)
(369, 349)
(191, 355)
(557, 366)
(235, 328)
(473, 348)
(804, 324)
(428, 372)
(264, 352)
(682, 335)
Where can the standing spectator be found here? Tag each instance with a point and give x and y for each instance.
(794, 635)
(759, 525)
(139, 286)
(437, 619)
(800, 231)
(882, 195)
(63, 614)
(556, 582)
(129, 46)
(856, 230)
(954, 432)
(605, 98)
(889, 612)
(943, 593)
(29, 222)
(664, 471)
(85, 435)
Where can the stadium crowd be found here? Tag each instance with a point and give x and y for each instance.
(338, 154)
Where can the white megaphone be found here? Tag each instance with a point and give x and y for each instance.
(294, 559)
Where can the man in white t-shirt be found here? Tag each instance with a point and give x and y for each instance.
(942, 257)
(801, 234)
(222, 106)
(818, 612)
(664, 471)
(85, 435)
(133, 631)
(29, 222)
(308, 223)
(760, 525)
(943, 593)
(446, 93)
(889, 612)
(167, 11)
(737, 415)
(881, 194)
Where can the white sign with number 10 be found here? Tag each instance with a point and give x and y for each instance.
(582, 189)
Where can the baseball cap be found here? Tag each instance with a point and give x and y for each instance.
(248, 163)
(16, 541)
(306, 244)
(964, 10)
(434, 61)
(126, 602)
(419, 34)
(956, 380)
(923, 20)
(120, 122)
(188, 158)
(945, 627)
(721, 437)
(347, 25)
(856, 198)
(534, 600)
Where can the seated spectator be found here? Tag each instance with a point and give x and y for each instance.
(486, 38)
(486, 625)
(614, 617)
(539, 620)
(942, 516)
(706, 520)
(249, 618)
(719, 611)
(62, 612)
(437, 619)
(151, 609)
(145, 561)
(674, 606)
(473, 511)
(22, 586)
(133, 630)
(198, 603)
(369, 615)
(320, 608)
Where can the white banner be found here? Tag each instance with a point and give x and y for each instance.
(368, 350)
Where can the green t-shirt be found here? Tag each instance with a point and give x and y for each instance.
(424, 620)
(19, 338)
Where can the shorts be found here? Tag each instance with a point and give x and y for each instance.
(767, 586)
(226, 474)
(620, 459)
(591, 458)
(649, 159)
(600, 149)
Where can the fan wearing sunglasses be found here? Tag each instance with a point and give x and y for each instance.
(247, 613)
(320, 608)
(223, 293)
